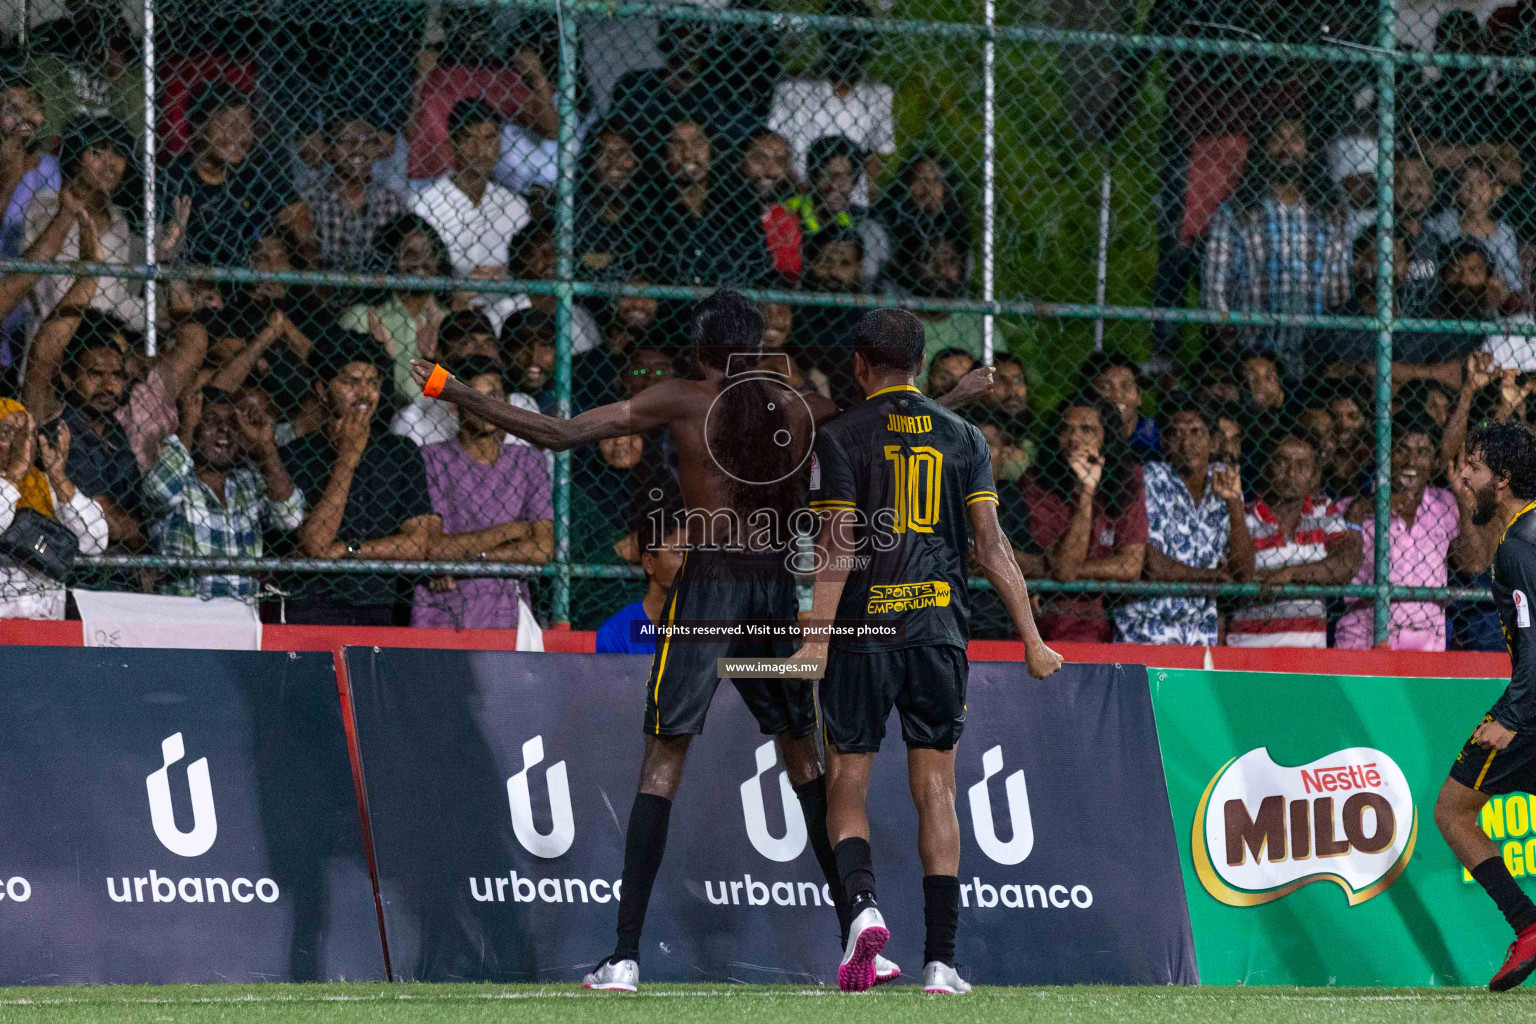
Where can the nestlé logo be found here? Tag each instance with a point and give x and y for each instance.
(1263, 830)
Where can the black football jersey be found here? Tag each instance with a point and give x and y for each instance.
(909, 468)
(1514, 585)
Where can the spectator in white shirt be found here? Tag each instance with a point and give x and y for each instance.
(1352, 169)
(462, 336)
(1475, 217)
(842, 103)
(530, 151)
(473, 215)
(93, 157)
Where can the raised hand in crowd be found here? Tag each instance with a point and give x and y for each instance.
(54, 456)
(233, 375)
(186, 299)
(173, 231)
(538, 111)
(428, 322)
(14, 161)
(257, 428)
(1512, 395)
(463, 300)
(49, 243)
(969, 388)
(258, 431)
(90, 233)
(190, 413)
(1088, 468)
(83, 288)
(1227, 484)
(20, 453)
(352, 435)
(380, 333)
(1477, 373)
(426, 63)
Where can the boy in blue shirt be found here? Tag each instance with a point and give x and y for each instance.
(660, 560)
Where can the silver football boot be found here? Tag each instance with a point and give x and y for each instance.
(886, 971)
(614, 976)
(867, 936)
(941, 979)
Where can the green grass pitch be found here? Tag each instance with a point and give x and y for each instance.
(744, 1004)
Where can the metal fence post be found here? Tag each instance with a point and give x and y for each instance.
(1386, 126)
(989, 180)
(565, 271)
(151, 334)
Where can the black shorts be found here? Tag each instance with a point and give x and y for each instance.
(926, 685)
(1495, 772)
(727, 587)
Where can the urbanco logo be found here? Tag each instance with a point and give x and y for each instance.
(1263, 830)
(1016, 849)
(793, 842)
(205, 821)
(562, 831)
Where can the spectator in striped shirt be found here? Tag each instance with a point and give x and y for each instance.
(1274, 248)
(1296, 539)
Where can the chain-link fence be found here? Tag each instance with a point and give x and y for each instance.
(1292, 241)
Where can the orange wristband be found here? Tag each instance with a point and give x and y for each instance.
(434, 385)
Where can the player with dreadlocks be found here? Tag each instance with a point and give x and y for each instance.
(743, 440)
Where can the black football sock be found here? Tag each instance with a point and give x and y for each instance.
(941, 915)
(1516, 906)
(857, 870)
(644, 844)
(813, 804)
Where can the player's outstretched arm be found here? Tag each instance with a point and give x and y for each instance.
(652, 408)
(995, 556)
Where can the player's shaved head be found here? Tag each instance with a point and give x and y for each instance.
(890, 339)
(725, 324)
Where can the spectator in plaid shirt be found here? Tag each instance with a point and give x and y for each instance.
(351, 207)
(216, 500)
(1274, 249)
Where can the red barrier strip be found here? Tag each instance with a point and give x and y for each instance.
(355, 755)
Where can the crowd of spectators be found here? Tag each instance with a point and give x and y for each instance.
(279, 419)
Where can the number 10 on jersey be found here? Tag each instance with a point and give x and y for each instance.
(919, 472)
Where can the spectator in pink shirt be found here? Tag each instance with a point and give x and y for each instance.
(1429, 531)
